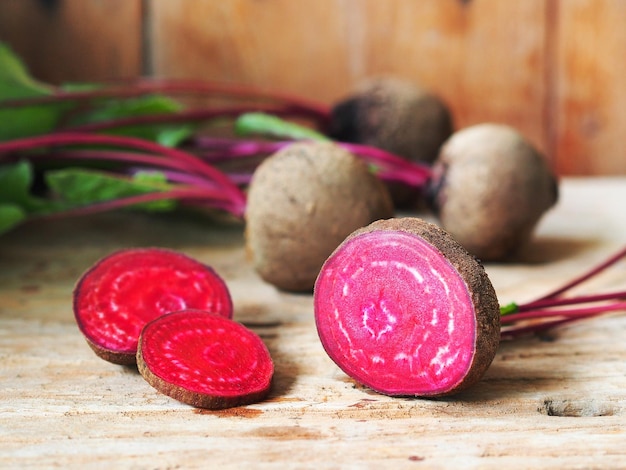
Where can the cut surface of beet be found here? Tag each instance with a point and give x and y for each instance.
(122, 292)
(204, 360)
(396, 315)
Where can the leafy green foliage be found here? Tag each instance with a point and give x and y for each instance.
(72, 188)
(15, 189)
(81, 187)
(29, 120)
(16, 201)
(273, 126)
(11, 215)
(15, 83)
(111, 109)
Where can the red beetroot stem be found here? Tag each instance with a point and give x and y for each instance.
(556, 302)
(187, 116)
(565, 312)
(189, 195)
(320, 112)
(536, 327)
(544, 307)
(579, 280)
(389, 166)
(235, 195)
(116, 155)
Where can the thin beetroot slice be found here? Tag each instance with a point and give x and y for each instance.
(403, 309)
(205, 360)
(122, 292)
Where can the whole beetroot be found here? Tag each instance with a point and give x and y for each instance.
(397, 116)
(394, 115)
(302, 202)
(489, 188)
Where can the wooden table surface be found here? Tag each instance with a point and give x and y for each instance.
(558, 401)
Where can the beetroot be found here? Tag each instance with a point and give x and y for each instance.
(405, 310)
(122, 292)
(302, 202)
(204, 360)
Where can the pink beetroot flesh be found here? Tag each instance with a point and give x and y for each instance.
(395, 315)
(115, 299)
(204, 360)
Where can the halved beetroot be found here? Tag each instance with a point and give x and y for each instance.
(115, 298)
(204, 360)
(404, 309)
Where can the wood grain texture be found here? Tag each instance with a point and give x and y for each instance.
(485, 58)
(545, 403)
(590, 94)
(75, 40)
(551, 68)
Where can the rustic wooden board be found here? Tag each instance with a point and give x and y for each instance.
(551, 68)
(590, 98)
(323, 48)
(552, 402)
(74, 40)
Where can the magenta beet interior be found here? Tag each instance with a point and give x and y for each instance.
(207, 354)
(116, 298)
(393, 313)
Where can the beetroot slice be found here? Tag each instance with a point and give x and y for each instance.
(204, 360)
(405, 310)
(122, 292)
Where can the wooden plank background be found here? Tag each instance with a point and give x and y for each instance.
(551, 68)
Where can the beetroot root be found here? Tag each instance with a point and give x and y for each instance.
(204, 360)
(490, 187)
(394, 115)
(405, 310)
(303, 201)
(397, 116)
(115, 298)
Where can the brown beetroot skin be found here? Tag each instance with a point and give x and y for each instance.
(302, 202)
(395, 115)
(401, 307)
(490, 188)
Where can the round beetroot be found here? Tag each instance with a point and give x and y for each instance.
(397, 116)
(204, 360)
(404, 309)
(490, 188)
(115, 298)
(303, 201)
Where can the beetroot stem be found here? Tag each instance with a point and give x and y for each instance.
(547, 303)
(193, 115)
(117, 155)
(235, 195)
(569, 312)
(536, 327)
(216, 198)
(596, 270)
(390, 166)
(172, 86)
(544, 307)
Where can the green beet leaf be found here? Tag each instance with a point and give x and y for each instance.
(82, 187)
(273, 126)
(16, 83)
(11, 215)
(111, 109)
(16, 181)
